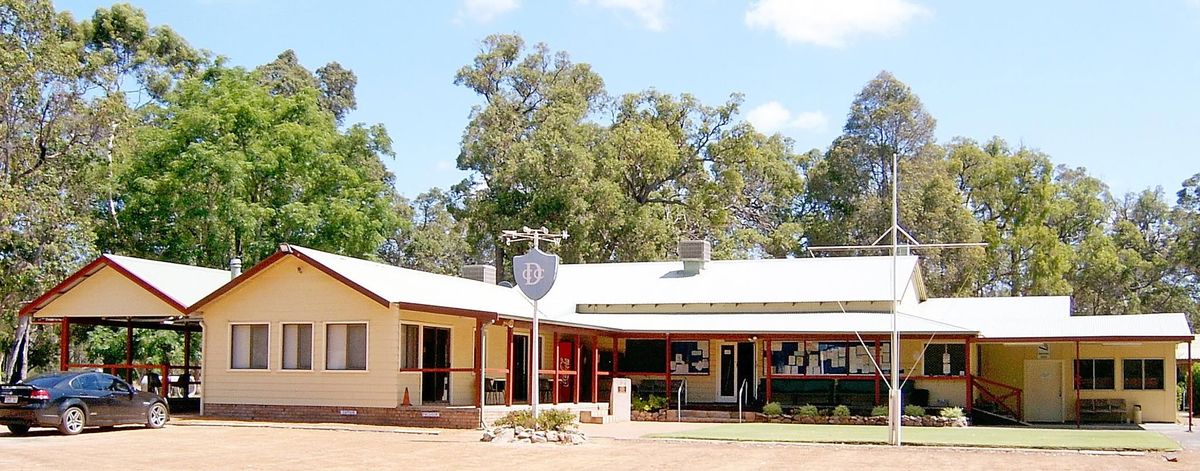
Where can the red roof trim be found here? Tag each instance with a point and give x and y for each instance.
(89, 270)
(284, 251)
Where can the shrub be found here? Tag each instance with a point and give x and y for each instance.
(517, 418)
(807, 410)
(772, 409)
(841, 411)
(914, 410)
(651, 403)
(951, 412)
(879, 411)
(557, 420)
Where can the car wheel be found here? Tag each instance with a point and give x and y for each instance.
(18, 429)
(157, 416)
(72, 421)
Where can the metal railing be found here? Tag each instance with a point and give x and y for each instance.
(741, 399)
(679, 400)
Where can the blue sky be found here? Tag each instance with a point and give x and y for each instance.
(1111, 86)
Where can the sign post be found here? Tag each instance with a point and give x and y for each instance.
(534, 273)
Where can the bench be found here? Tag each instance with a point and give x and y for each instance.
(1101, 409)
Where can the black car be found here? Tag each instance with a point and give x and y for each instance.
(73, 400)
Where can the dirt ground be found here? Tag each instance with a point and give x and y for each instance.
(216, 445)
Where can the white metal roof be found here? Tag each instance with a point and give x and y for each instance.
(1181, 350)
(185, 284)
(798, 280)
(403, 285)
(1046, 317)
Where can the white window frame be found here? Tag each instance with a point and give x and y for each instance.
(229, 353)
(312, 344)
(325, 347)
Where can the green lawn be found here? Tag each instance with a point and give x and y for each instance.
(969, 436)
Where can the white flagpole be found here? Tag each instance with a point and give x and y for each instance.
(894, 400)
(535, 378)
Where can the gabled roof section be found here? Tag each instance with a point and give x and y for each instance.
(177, 285)
(387, 284)
(796, 280)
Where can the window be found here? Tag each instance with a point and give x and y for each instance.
(346, 346)
(1143, 374)
(644, 356)
(86, 382)
(411, 354)
(297, 346)
(946, 359)
(1097, 374)
(248, 346)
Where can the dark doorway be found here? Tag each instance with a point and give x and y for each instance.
(435, 386)
(586, 360)
(520, 368)
(745, 365)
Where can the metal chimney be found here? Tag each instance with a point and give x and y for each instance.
(694, 254)
(484, 273)
(235, 267)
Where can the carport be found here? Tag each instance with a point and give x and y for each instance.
(131, 293)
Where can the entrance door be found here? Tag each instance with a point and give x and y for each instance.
(1043, 394)
(435, 386)
(520, 368)
(736, 364)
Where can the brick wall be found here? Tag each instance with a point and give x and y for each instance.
(464, 418)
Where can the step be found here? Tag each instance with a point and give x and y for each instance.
(594, 417)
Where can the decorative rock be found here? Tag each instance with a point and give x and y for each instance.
(538, 438)
(488, 436)
(505, 435)
(552, 436)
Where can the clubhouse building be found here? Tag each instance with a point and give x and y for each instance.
(311, 336)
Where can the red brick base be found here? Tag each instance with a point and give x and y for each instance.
(467, 418)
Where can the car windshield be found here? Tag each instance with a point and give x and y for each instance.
(44, 381)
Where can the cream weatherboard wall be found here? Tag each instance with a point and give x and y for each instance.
(293, 291)
(1006, 364)
(107, 293)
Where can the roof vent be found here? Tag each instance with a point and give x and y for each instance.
(694, 254)
(484, 273)
(235, 267)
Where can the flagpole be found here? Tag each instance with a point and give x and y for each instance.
(535, 378)
(894, 400)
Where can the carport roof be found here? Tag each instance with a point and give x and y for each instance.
(178, 285)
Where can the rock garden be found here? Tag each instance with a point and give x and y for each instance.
(551, 426)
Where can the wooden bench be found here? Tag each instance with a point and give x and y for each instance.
(1103, 410)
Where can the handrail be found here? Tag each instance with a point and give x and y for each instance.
(741, 397)
(679, 400)
(999, 399)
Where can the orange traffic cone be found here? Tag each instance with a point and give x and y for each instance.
(406, 402)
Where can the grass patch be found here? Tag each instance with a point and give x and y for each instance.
(996, 437)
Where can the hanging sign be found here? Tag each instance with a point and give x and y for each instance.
(535, 273)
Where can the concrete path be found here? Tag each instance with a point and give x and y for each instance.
(1178, 432)
(636, 430)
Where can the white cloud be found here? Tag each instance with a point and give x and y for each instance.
(649, 12)
(772, 117)
(832, 23)
(483, 11)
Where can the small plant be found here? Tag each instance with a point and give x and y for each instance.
(841, 411)
(517, 418)
(951, 412)
(879, 411)
(807, 410)
(914, 410)
(558, 420)
(772, 409)
(651, 403)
